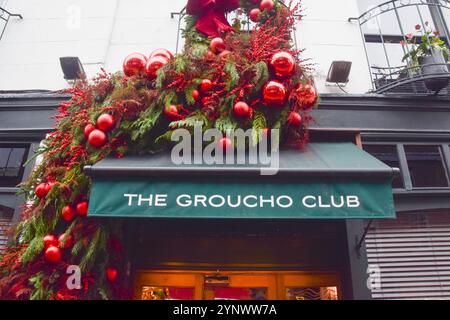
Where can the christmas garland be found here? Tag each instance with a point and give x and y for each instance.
(241, 79)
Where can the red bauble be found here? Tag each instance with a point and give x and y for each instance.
(82, 208)
(209, 55)
(224, 54)
(154, 64)
(41, 190)
(88, 129)
(195, 95)
(172, 112)
(134, 64)
(241, 109)
(97, 138)
(266, 4)
(307, 94)
(68, 213)
(162, 53)
(53, 254)
(49, 186)
(111, 274)
(105, 122)
(50, 240)
(274, 93)
(206, 85)
(254, 14)
(282, 64)
(294, 119)
(225, 143)
(217, 45)
(68, 241)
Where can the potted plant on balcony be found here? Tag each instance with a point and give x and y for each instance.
(431, 55)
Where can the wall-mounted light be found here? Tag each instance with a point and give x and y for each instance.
(72, 68)
(339, 71)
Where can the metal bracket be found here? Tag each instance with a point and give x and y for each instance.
(360, 241)
(6, 19)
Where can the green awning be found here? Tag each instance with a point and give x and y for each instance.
(324, 181)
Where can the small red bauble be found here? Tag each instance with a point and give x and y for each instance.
(307, 94)
(82, 208)
(195, 95)
(241, 109)
(97, 138)
(154, 64)
(68, 241)
(254, 14)
(50, 240)
(105, 122)
(49, 186)
(294, 119)
(283, 64)
(134, 64)
(172, 112)
(53, 254)
(266, 5)
(224, 54)
(206, 85)
(111, 274)
(217, 45)
(225, 143)
(68, 213)
(88, 129)
(274, 93)
(162, 53)
(41, 190)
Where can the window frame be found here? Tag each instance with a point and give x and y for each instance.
(404, 168)
(28, 149)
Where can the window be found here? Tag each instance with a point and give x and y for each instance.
(12, 158)
(426, 166)
(387, 154)
(385, 25)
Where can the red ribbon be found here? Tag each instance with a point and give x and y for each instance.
(211, 19)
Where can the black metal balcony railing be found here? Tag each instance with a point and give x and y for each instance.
(5, 16)
(406, 78)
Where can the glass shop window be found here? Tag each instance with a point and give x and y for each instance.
(12, 158)
(387, 154)
(426, 166)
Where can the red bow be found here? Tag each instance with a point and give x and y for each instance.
(211, 15)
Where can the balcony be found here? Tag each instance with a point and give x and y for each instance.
(385, 28)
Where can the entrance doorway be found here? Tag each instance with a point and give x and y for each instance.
(236, 285)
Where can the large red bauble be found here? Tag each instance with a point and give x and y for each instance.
(41, 190)
(225, 143)
(254, 14)
(50, 240)
(266, 4)
(154, 64)
(217, 45)
(88, 129)
(206, 85)
(294, 119)
(134, 64)
(111, 274)
(274, 93)
(283, 64)
(162, 53)
(105, 122)
(195, 95)
(241, 109)
(97, 138)
(68, 241)
(82, 208)
(307, 94)
(49, 186)
(53, 254)
(68, 213)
